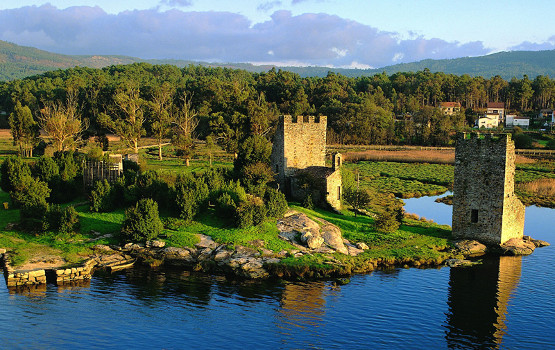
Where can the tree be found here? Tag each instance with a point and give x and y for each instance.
(128, 123)
(184, 120)
(356, 198)
(25, 130)
(255, 149)
(62, 122)
(12, 173)
(210, 146)
(161, 119)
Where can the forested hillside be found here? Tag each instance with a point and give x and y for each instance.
(18, 62)
(231, 105)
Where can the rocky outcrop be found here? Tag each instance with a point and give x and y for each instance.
(470, 247)
(514, 246)
(518, 246)
(318, 236)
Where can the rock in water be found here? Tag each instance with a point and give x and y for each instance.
(518, 246)
(470, 247)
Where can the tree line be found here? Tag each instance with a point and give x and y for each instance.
(229, 105)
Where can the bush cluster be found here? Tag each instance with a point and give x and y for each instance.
(31, 191)
(142, 221)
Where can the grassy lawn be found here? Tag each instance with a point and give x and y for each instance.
(414, 239)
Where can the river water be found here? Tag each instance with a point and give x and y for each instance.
(504, 303)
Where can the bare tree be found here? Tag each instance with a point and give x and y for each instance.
(161, 119)
(184, 120)
(62, 121)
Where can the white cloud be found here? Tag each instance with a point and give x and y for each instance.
(340, 53)
(397, 57)
(307, 39)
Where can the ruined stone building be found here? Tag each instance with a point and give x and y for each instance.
(299, 158)
(485, 207)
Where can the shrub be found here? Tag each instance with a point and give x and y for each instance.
(95, 153)
(307, 201)
(255, 149)
(215, 178)
(225, 206)
(250, 212)
(149, 185)
(142, 222)
(191, 196)
(12, 171)
(63, 220)
(255, 177)
(46, 169)
(32, 218)
(386, 222)
(67, 186)
(101, 198)
(276, 204)
(30, 195)
(522, 140)
(30, 192)
(69, 167)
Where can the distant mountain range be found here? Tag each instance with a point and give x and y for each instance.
(17, 62)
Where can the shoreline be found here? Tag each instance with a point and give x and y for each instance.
(246, 263)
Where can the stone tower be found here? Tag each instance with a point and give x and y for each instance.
(485, 207)
(299, 143)
(299, 150)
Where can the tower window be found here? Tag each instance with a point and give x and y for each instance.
(474, 216)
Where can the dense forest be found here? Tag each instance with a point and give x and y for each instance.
(229, 105)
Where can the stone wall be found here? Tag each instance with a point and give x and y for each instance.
(485, 206)
(18, 278)
(334, 189)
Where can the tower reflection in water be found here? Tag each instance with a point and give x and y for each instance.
(478, 302)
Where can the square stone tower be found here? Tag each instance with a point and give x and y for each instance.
(299, 143)
(299, 149)
(485, 207)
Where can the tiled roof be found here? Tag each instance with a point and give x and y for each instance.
(321, 172)
(449, 104)
(496, 105)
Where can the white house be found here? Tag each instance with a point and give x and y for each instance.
(513, 120)
(489, 121)
(497, 108)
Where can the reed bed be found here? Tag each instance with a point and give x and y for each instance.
(542, 187)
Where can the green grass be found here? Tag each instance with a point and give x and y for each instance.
(413, 240)
(211, 225)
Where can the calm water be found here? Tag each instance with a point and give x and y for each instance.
(504, 303)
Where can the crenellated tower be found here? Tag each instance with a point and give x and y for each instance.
(485, 206)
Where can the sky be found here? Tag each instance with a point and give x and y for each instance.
(334, 33)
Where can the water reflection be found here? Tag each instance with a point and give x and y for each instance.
(478, 302)
(303, 303)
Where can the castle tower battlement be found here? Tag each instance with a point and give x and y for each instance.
(485, 206)
(299, 119)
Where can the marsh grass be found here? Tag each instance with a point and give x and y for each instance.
(542, 187)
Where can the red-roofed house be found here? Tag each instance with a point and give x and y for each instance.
(497, 108)
(450, 108)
